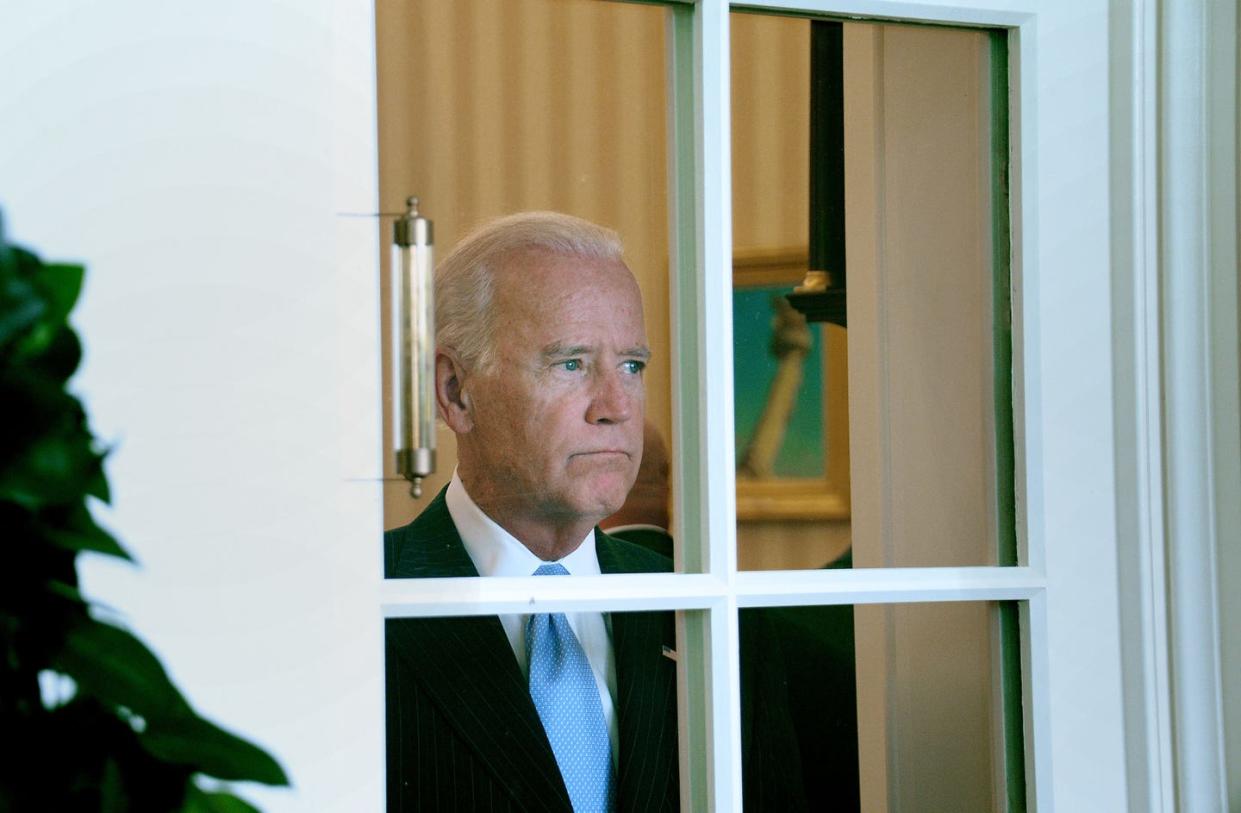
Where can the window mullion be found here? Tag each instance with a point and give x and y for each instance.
(469, 595)
(886, 585)
(707, 641)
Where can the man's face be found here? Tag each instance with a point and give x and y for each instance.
(557, 419)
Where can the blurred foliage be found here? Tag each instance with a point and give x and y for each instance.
(122, 737)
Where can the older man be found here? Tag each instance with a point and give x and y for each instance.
(541, 351)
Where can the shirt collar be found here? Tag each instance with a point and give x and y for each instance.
(496, 552)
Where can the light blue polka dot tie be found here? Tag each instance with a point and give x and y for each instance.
(567, 698)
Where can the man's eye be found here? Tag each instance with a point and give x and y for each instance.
(571, 365)
(634, 366)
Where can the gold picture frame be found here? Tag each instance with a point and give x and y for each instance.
(800, 498)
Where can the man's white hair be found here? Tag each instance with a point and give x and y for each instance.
(465, 279)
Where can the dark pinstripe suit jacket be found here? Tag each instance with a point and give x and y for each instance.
(462, 731)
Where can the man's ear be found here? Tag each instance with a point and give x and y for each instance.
(450, 396)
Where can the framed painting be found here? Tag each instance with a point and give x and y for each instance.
(790, 393)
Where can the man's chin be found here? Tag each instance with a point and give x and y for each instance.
(604, 498)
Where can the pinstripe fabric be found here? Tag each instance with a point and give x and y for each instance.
(646, 705)
(771, 757)
(463, 733)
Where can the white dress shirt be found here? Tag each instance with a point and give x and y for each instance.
(496, 552)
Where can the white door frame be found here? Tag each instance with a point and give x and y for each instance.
(1175, 226)
(1091, 370)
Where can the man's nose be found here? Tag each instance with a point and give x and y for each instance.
(612, 400)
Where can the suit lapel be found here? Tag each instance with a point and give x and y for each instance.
(429, 547)
(467, 667)
(646, 694)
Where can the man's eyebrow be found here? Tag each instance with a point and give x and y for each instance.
(557, 350)
(560, 350)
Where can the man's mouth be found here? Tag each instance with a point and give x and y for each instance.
(602, 453)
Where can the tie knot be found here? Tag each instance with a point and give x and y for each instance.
(555, 569)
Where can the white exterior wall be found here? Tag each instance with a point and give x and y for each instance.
(192, 155)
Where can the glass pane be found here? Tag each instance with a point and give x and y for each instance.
(474, 725)
(869, 174)
(882, 707)
(489, 109)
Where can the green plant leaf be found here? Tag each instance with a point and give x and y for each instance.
(112, 665)
(57, 286)
(97, 541)
(198, 800)
(54, 470)
(51, 460)
(59, 354)
(22, 304)
(97, 483)
(62, 285)
(20, 308)
(190, 740)
(78, 531)
(63, 527)
(112, 796)
(68, 592)
(38, 403)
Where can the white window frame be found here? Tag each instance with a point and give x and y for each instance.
(293, 574)
(1064, 411)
